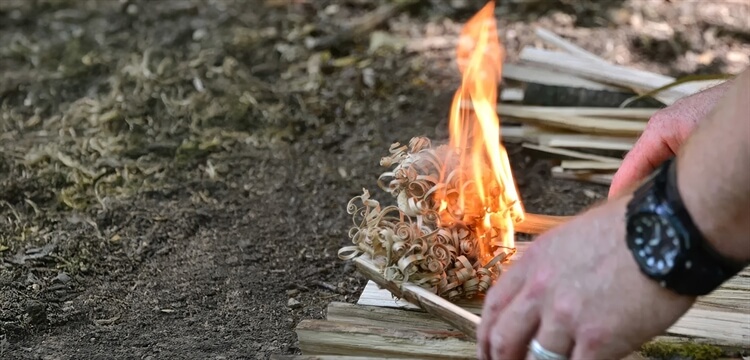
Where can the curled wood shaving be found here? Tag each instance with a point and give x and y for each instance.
(416, 242)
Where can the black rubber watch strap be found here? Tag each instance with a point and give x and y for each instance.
(700, 244)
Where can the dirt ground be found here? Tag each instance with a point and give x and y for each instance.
(173, 172)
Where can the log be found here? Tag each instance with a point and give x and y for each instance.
(585, 124)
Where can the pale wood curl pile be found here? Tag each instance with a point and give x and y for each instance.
(411, 241)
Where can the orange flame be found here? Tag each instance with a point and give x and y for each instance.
(487, 193)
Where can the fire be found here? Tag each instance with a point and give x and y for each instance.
(487, 194)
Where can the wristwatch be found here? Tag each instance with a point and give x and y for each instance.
(665, 242)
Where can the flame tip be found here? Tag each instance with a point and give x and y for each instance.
(486, 185)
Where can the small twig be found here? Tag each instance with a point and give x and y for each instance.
(327, 286)
(361, 25)
(536, 224)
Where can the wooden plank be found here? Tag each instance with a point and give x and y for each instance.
(585, 124)
(582, 141)
(730, 328)
(385, 317)
(698, 321)
(569, 154)
(321, 337)
(393, 319)
(638, 80)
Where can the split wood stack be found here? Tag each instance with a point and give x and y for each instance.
(589, 141)
(422, 325)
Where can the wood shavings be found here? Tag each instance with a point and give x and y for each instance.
(420, 239)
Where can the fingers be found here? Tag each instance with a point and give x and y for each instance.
(648, 152)
(497, 300)
(514, 329)
(555, 332)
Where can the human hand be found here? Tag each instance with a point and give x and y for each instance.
(578, 291)
(665, 132)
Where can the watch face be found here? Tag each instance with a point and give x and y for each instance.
(655, 241)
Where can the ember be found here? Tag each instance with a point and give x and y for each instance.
(457, 204)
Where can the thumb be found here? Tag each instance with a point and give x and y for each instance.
(647, 154)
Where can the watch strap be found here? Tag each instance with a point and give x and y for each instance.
(703, 262)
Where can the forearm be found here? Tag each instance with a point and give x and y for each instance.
(714, 172)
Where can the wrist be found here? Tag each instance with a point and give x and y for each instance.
(724, 231)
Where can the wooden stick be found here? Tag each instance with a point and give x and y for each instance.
(586, 141)
(537, 75)
(528, 133)
(569, 154)
(588, 165)
(555, 40)
(596, 178)
(603, 112)
(361, 25)
(433, 304)
(534, 224)
(586, 124)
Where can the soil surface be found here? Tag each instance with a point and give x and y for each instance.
(172, 173)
